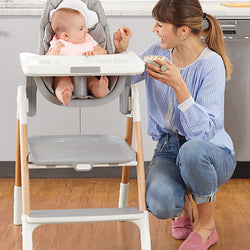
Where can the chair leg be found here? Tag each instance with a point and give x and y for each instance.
(17, 206)
(18, 186)
(124, 185)
(123, 195)
(143, 225)
(140, 167)
(138, 147)
(22, 115)
(27, 233)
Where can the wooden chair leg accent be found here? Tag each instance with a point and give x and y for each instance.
(17, 203)
(125, 174)
(128, 138)
(140, 167)
(18, 157)
(25, 170)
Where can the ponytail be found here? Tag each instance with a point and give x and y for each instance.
(215, 41)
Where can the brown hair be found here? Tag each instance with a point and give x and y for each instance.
(189, 13)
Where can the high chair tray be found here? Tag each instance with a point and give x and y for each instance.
(113, 64)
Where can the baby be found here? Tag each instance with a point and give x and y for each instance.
(72, 38)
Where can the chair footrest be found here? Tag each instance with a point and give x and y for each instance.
(79, 149)
(84, 215)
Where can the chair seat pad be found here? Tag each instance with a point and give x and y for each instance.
(76, 149)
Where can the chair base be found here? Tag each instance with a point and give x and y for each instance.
(41, 217)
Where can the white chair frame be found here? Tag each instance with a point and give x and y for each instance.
(30, 219)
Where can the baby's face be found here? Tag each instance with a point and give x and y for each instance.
(77, 32)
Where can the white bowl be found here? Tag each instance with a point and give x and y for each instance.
(150, 60)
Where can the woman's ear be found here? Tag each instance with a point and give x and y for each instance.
(64, 36)
(183, 32)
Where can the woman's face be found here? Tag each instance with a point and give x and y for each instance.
(168, 34)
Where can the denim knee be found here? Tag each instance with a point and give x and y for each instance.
(162, 204)
(198, 170)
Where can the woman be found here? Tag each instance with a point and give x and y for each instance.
(185, 110)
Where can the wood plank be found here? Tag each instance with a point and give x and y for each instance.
(232, 216)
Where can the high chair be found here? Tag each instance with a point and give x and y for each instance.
(81, 152)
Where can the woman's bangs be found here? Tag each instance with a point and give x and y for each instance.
(161, 13)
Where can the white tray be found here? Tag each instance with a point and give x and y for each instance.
(127, 63)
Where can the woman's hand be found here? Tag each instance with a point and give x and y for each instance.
(121, 39)
(170, 77)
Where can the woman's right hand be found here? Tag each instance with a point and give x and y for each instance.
(121, 39)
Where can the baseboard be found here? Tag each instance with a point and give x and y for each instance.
(7, 169)
(242, 170)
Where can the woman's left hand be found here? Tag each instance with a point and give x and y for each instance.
(170, 77)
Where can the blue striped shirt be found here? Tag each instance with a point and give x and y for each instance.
(199, 117)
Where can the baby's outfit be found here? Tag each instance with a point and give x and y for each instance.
(75, 48)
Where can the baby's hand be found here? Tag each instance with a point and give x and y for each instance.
(57, 46)
(89, 53)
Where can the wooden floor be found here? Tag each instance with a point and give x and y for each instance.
(232, 216)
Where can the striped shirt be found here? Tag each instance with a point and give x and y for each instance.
(199, 117)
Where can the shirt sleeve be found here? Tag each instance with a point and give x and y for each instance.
(186, 104)
(138, 78)
(202, 115)
(152, 50)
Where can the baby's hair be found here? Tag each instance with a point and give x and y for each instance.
(189, 13)
(60, 21)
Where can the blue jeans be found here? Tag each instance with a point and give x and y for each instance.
(179, 166)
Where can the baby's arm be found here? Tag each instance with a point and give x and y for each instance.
(55, 49)
(98, 50)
